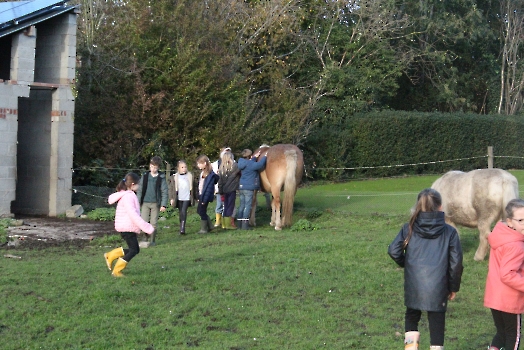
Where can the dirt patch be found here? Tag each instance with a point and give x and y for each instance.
(37, 232)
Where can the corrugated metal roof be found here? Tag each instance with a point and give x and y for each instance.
(17, 15)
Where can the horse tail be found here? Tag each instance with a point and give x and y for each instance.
(290, 186)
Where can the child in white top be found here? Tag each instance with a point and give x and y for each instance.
(181, 193)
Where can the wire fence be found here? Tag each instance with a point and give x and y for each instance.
(92, 196)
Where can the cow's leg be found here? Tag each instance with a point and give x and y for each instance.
(484, 230)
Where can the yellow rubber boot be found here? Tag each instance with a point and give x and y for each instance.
(218, 220)
(226, 222)
(119, 266)
(411, 340)
(112, 256)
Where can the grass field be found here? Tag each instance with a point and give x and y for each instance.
(326, 285)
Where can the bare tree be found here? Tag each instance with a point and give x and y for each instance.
(512, 73)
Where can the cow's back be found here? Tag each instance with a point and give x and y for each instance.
(478, 194)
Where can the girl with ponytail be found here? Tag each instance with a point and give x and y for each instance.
(429, 250)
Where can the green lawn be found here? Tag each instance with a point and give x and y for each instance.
(333, 287)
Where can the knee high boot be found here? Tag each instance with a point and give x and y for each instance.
(226, 221)
(218, 220)
(182, 227)
(233, 226)
(203, 227)
(112, 256)
(210, 226)
(119, 266)
(411, 340)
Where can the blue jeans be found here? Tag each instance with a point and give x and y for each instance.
(246, 200)
(219, 209)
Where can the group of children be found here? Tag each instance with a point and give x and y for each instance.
(140, 199)
(429, 250)
(426, 247)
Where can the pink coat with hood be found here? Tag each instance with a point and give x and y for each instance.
(127, 217)
(505, 282)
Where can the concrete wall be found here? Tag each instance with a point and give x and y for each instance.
(37, 112)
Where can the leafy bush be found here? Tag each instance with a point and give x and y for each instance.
(102, 214)
(304, 225)
(312, 213)
(395, 143)
(169, 213)
(4, 223)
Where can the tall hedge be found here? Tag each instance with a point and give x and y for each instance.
(387, 143)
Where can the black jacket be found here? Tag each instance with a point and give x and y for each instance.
(432, 262)
(229, 181)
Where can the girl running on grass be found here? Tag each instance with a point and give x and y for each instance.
(128, 222)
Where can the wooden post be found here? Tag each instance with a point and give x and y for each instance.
(168, 173)
(490, 157)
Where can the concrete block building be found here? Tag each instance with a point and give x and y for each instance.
(37, 72)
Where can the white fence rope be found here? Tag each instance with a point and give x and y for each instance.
(314, 168)
(400, 165)
(75, 190)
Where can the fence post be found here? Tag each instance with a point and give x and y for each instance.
(168, 173)
(490, 157)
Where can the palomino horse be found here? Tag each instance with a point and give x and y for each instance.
(284, 168)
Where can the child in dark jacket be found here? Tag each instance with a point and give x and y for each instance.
(229, 177)
(206, 192)
(153, 195)
(249, 183)
(429, 250)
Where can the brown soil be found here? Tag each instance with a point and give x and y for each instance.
(40, 232)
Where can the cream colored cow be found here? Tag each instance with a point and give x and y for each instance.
(476, 199)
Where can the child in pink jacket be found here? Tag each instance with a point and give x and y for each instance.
(505, 282)
(128, 222)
